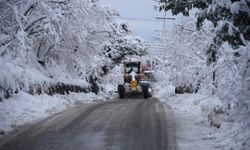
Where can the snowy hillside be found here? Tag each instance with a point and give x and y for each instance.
(50, 45)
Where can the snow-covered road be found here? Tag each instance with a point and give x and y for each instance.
(126, 124)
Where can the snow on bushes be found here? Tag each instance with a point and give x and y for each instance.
(23, 108)
(60, 42)
(184, 62)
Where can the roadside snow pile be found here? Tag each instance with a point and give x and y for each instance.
(109, 83)
(202, 124)
(23, 108)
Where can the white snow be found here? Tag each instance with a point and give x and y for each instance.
(73, 49)
(51, 44)
(43, 45)
(221, 121)
(194, 130)
(23, 108)
(235, 7)
(110, 82)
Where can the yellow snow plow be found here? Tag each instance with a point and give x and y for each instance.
(133, 80)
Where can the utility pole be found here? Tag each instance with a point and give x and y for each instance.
(160, 34)
(164, 23)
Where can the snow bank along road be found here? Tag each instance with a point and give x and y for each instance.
(132, 124)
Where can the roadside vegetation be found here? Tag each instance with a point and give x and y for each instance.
(59, 46)
(209, 54)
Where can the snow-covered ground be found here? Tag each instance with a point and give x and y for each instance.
(194, 115)
(23, 108)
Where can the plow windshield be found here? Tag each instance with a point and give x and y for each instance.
(133, 66)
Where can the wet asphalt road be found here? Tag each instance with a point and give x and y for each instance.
(132, 124)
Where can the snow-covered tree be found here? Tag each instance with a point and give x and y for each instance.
(62, 41)
(230, 16)
(230, 19)
(183, 55)
(227, 54)
(123, 43)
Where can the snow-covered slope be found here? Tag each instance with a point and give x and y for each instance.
(44, 44)
(23, 108)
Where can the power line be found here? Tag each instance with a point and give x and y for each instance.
(141, 19)
(165, 18)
